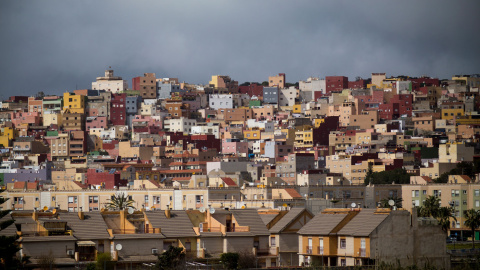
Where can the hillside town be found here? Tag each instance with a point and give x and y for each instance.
(326, 171)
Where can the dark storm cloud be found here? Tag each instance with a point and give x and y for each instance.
(57, 46)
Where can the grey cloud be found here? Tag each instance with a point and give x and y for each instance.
(55, 46)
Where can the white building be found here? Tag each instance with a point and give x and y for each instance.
(267, 126)
(287, 96)
(312, 85)
(110, 83)
(206, 128)
(221, 101)
(179, 125)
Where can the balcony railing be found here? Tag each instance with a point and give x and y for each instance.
(363, 252)
(320, 250)
(309, 250)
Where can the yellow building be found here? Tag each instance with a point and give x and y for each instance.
(6, 136)
(451, 110)
(74, 103)
(252, 134)
(318, 122)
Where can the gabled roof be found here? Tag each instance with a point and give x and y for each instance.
(250, 217)
(92, 227)
(228, 181)
(178, 225)
(287, 219)
(322, 224)
(267, 218)
(293, 193)
(363, 223)
(10, 230)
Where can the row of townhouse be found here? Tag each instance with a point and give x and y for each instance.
(293, 237)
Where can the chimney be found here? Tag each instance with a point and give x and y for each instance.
(167, 212)
(81, 215)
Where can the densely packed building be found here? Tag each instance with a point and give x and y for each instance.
(228, 146)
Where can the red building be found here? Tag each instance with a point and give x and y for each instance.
(358, 84)
(252, 89)
(108, 180)
(336, 83)
(118, 113)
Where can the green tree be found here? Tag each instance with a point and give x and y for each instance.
(8, 244)
(472, 220)
(369, 174)
(173, 258)
(230, 260)
(430, 207)
(104, 261)
(120, 201)
(445, 214)
(399, 176)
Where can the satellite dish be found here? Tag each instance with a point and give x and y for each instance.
(130, 210)
(212, 210)
(243, 206)
(45, 208)
(54, 211)
(353, 205)
(119, 247)
(391, 202)
(202, 209)
(285, 205)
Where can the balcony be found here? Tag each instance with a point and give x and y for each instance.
(320, 251)
(309, 250)
(362, 252)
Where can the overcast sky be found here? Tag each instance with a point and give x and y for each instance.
(58, 46)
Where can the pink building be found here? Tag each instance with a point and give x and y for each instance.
(20, 118)
(234, 146)
(96, 122)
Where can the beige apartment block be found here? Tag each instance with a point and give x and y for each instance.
(94, 200)
(455, 152)
(434, 170)
(126, 150)
(461, 196)
(424, 123)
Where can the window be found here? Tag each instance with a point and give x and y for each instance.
(146, 198)
(343, 243)
(273, 242)
(72, 199)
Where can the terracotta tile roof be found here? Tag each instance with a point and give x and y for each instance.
(293, 193)
(19, 185)
(466, 178)
(229, 181)
(32, 186)
(427, 179)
